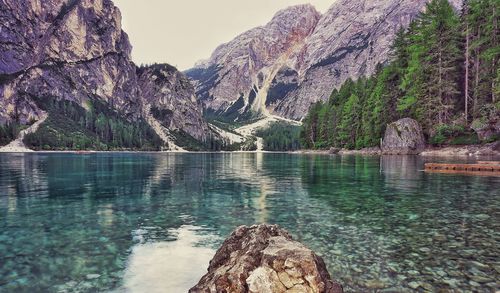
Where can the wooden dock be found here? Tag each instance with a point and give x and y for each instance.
(489, 168)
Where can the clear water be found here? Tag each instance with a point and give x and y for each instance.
(150, 222)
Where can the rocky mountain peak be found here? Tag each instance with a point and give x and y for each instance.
(300, 56)
(76, 50)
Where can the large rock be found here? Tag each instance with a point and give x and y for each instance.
(487, 130)
(403, 137)
(265, 259)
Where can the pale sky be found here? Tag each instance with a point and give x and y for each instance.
(181, 32)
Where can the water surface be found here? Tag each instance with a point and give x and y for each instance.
(151, 222)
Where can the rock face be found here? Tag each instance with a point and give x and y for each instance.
(302, 57)
(236, 78)
(403, 137)
(170, 98)
(265, 259)
(76, 50)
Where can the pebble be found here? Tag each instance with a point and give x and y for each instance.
(482, 217)
(474, 284)
(414, 285)
(427, 286)
(480, 279)
(479, 265)
(452, 282)
(497, 268)
(375, 284)
(92, 276)
(71, 284)
(440, 237)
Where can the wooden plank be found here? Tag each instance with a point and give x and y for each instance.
(490, 174)
(473, 168)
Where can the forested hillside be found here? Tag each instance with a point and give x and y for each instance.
(444, 73)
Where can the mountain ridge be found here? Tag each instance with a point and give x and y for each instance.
(348, 41)
(77, 51)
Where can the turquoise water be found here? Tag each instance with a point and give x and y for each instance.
(150, 222)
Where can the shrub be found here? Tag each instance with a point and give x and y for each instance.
(454, 135)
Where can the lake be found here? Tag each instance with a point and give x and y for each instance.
(150, 222)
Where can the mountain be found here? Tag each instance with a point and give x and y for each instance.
(236, 78)
(300, 57)
(74, 51)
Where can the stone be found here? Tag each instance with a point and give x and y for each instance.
(265, 258)
(480, 278)
(427, 286)
(414, 285)
(439, 237)
(92, 276)
(375, 284)
(487, 130)
(403, 137)
(497, 268)
(479, 265)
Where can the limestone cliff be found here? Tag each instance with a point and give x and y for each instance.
(76, 50)
(236, 78)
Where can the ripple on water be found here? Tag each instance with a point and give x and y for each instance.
(131, 222)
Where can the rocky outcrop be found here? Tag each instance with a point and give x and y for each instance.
(170, 97)
(350, 40)
(265, 259)
(237, 77)
(487, 130)
(403, 137)
(302, 57)
(76, 50)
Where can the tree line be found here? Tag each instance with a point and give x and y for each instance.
(70, 126)
(443, 72)
(280, 136)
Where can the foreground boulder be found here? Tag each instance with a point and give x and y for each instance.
(265, 259)
(403, 137)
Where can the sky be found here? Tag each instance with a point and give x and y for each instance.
(182, 32)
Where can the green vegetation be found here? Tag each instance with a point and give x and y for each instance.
(453, 135)
(71, 127)
(444, 73)
(9, 132)
(280, 136)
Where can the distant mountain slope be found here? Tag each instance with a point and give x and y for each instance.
(234, 81)
(75, 50)
(299, 57)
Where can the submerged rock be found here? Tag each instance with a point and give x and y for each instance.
(265, 258)
(403, 137)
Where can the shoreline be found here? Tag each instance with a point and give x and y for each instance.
(490, 150)
(486, 150)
